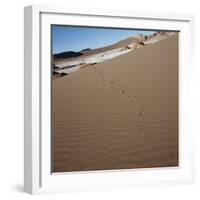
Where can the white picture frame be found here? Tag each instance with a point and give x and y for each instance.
(37, 88)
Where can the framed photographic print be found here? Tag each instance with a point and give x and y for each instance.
(107, 99)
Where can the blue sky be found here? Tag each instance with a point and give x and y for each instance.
(68, 38)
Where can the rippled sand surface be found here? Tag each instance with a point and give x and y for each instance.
(119, 114)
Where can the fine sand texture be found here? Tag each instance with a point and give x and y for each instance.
(119, 114)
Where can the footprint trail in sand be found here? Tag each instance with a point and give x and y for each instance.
(139, 112)
(132, 99)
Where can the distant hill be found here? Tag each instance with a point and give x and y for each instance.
(67, 54)
(84, 50)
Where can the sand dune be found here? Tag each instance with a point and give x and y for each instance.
(119, 114)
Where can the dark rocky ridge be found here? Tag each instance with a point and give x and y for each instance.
(66, 54)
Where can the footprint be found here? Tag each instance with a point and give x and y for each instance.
(129, 97)
(140, 129)
(123, 92)
(111, 82)
(140, 113)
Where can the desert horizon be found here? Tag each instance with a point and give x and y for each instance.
(115, 106)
